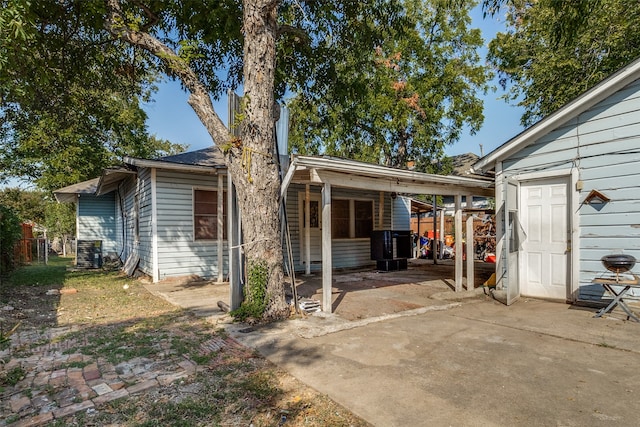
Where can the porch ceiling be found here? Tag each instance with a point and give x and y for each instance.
(364, 176)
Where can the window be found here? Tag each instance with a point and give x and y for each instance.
(363, 218)
(205, 214)
(314, 217)
(340, 219)
(351, 219)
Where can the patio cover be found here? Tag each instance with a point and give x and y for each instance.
(331, 172)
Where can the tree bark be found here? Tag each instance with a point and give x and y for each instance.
(256, 176)
(251, 159)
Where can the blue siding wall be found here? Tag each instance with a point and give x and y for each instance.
(97, 221)
(402, 213)
(603, 144)
(119, 205)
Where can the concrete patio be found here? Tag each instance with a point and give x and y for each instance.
(356, 294)
(402, 348)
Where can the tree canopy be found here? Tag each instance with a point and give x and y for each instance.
(553, 51)
(402, 98)
(69, 94)
(71, 84)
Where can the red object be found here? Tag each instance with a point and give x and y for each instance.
(490, 258)
(430, 234)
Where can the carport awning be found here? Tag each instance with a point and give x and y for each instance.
(365, 176)
(333, 172)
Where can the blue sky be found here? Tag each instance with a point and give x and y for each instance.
(170, 117)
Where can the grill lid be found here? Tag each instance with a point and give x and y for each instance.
(618, 263)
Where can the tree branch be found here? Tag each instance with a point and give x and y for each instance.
(295, 31)
(199, 98)
(153, 18)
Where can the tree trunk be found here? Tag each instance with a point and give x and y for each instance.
(401, 156)
(251, 159)
(256, 174)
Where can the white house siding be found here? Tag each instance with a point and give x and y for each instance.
(346, 253)
(125, 200)
(96, 221)
(178, 253)
(145, 218)
(293, 219)
(603, 144)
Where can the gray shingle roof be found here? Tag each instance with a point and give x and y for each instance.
(209, 156)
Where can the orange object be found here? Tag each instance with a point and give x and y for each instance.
(430, 234)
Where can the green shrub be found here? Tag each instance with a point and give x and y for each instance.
(10, 233)
(255, 293)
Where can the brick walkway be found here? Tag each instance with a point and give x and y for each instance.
(60, 382)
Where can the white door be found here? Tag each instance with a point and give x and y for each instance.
(315, 228)
(545, 257)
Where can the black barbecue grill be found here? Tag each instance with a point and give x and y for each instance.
(618, 286)
(618, 263)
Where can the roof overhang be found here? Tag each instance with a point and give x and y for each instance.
(573, 109)
(182, 167)
(71, 193)
(364, 176)
(111, 179)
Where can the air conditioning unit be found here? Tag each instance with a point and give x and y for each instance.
(89, 254)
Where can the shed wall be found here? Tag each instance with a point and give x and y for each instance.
(603, 144)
